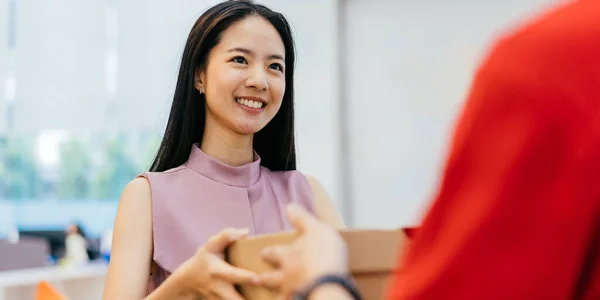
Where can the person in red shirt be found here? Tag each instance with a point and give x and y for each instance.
(517, 215)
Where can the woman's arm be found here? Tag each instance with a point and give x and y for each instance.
(325, 208)
(131, 254)
(205, 273)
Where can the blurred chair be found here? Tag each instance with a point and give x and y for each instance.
(55, 238)
(93, 248)
(27, 253)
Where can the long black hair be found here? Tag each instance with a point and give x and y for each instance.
(275, 143)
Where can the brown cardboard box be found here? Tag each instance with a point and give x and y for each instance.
(372, 259)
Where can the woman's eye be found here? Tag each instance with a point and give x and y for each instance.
(239, 60)
(277, 67)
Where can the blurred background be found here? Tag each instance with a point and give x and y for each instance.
(86, 86)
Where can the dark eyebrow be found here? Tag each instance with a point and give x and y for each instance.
(250, 52)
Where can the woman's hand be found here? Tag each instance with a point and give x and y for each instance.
(320, 250)
(207, 274)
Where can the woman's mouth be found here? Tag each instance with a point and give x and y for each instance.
(250, 103)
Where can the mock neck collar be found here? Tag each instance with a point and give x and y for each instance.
(208, 166)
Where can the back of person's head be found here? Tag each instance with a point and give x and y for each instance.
(274, 140)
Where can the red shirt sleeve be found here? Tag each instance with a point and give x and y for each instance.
(517, 213)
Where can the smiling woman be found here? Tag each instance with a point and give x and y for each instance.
(244, 82)
(227, 160)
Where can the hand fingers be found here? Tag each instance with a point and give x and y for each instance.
(219, 242)
(232, 274)
(281, 297)
(274, 254)
(272, 279)
(300, 218)
(284, 296)
(227, 292)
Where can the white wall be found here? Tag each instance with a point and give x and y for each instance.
(59, 61)
(409, 64)
(3, 61)
(152, 35)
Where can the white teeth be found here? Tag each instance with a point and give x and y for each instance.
(249, 103)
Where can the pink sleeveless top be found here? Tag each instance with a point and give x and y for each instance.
(198, 199)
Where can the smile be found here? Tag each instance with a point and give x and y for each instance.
(250, 103)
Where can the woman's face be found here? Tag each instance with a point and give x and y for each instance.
(244, 80)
